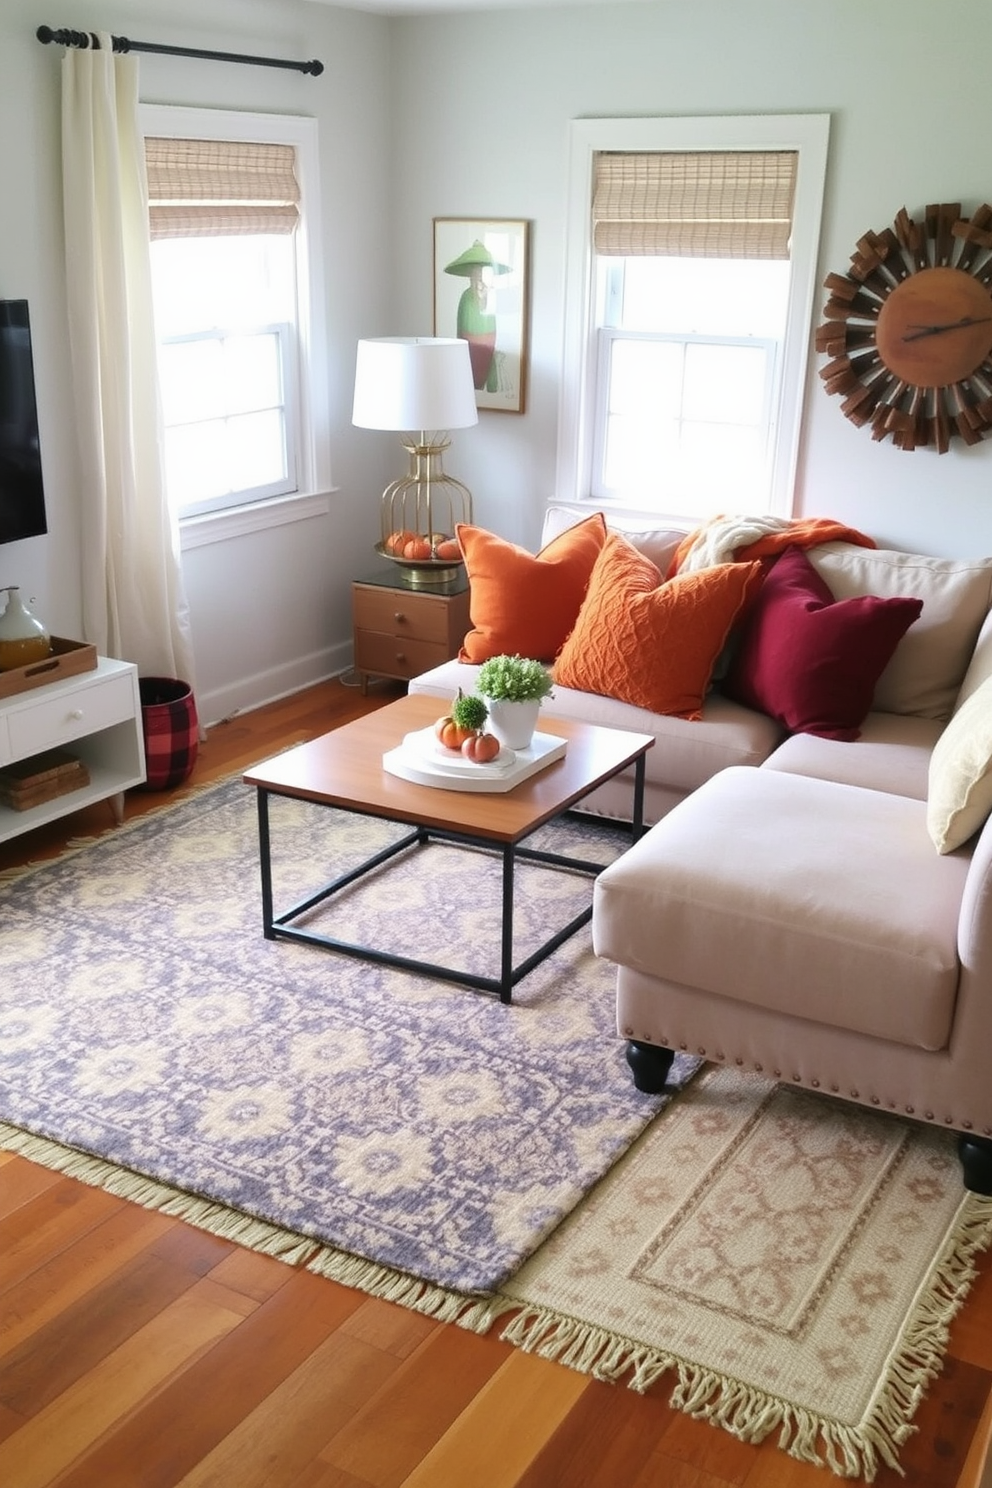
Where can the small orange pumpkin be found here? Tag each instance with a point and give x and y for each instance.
(451, 734)
(449, 548)
(397, 541)
(481, 748)
(417, 547)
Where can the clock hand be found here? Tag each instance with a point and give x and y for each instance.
(919, 332)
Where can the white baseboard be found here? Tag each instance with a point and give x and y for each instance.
(248, 693)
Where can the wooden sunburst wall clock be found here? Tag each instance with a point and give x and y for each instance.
(908, 330)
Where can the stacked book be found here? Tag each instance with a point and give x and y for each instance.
(31, 782)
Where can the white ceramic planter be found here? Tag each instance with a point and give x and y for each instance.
(513, 723)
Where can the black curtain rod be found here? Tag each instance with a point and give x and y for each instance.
(45, 35)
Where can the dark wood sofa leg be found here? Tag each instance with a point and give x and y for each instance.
(649, 1064)
(976, 1160)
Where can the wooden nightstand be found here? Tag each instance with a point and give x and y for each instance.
(402, 629)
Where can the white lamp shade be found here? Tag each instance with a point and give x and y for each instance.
(414, 382)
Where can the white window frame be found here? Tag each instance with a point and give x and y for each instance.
(805, 133)
(311, 498)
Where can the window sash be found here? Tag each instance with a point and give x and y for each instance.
(285, 407)
(805, 134)
(314, 474)
(664, 485)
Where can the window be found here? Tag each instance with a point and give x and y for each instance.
(689, 292)
(230, 196)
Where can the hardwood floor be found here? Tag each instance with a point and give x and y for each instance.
(137, 1352)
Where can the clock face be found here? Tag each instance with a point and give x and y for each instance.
(909, 330)
(935, 329)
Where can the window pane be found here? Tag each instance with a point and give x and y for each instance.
(195, 458)
(703, 296)
(636, 451)
(725, 384)
(718, 459)
(224, 309)
(191, 374)
(256, 450)
(252, 372)
(646, 378)
(201, 283)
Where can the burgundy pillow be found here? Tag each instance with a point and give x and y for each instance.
(812, 661)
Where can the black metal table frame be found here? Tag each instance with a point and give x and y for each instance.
(280, 926)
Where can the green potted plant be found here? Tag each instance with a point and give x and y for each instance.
(514, 688)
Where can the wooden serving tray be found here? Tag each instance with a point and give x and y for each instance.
(67, 659)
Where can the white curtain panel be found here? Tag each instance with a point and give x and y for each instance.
(134, 606)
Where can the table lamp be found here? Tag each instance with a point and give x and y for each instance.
(419, 386)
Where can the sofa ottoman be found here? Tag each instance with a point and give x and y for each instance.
(808, 929)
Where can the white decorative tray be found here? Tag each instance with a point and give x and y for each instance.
(422, 760)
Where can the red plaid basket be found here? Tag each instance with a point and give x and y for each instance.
(171, 729)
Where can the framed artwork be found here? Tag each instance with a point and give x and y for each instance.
(481, 293)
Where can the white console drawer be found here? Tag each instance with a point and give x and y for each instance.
(51, 721)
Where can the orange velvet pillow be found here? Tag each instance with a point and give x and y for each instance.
(651, 643)
(524, 604)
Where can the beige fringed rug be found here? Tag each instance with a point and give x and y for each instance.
(793, 1262)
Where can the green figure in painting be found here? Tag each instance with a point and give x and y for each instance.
(476, 321)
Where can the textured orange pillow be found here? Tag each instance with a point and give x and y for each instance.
(651, 643)
(524, 604)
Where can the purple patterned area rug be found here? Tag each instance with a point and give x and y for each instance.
(297, 1099)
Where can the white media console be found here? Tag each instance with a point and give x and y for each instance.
(98, 714)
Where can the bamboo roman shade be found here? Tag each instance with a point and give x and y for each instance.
(217, 188)
(699, 204)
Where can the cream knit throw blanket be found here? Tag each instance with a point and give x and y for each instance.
(719, 540)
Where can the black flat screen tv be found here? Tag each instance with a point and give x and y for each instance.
(22, 492)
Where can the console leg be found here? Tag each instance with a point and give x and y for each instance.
(649, 1064)
(976, 1160)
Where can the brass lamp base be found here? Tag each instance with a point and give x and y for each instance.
(421, 510)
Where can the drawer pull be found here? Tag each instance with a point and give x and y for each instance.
(76, 714)
(399, 617)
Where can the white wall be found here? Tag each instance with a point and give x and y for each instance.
(270, 610)
(467, 115)
(483, 105)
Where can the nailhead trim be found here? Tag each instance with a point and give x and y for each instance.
(797, 1079)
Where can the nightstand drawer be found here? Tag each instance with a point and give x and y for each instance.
(397, 656)
(399, 613)
(85, 710)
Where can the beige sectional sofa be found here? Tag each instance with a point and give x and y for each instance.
(945, 653)
(789, 911)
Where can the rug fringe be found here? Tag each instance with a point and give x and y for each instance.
(377, 1280)
(205, 1214)
(849, 1451)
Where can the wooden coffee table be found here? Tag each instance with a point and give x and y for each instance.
(343, 769)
